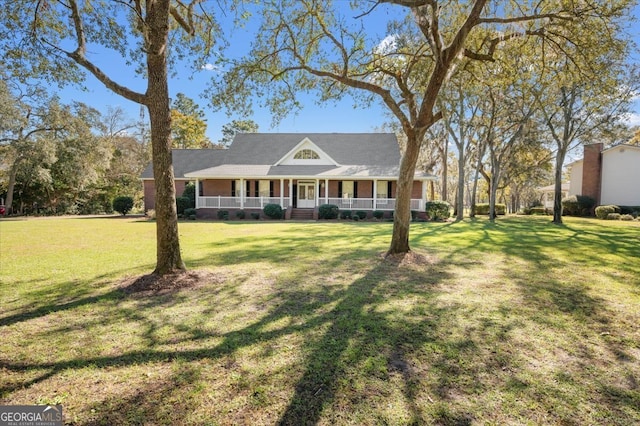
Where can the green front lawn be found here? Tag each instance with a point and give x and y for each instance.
(518, 322)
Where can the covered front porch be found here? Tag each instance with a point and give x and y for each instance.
(548, 193)
(251, 193)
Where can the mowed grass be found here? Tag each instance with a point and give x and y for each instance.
(517, 322)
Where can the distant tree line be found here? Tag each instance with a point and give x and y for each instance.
(66, 158)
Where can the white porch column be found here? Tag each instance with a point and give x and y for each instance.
(424, 195)
(326, 191)
(375, 194)
(291, 192)
(282, 192)
(197, 193)
(242, 189)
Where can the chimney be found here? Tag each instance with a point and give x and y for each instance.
(592, 170)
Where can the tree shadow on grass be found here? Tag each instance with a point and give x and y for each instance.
(356, 327)
(355, 332)
(151, 404)
(359, 334)
(563, 303)
(534, 240)
(296, 243)
(587, 324)
(60, 307)
(72, 295)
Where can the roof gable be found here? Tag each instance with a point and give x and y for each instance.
(343, 148)
(622, 148)
(306, 146)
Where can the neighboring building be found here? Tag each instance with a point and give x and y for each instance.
(356, 171)
(548, 193)
(610, 176)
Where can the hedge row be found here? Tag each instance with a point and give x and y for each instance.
(483, 208)
(577, 205)
(612, 212)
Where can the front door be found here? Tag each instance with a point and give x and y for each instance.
(306, 195)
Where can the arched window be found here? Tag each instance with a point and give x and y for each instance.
(306, 154)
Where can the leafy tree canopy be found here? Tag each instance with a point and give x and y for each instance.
(188, 124)
(229, 130)
(325, 48)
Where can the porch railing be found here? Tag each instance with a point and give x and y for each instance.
(371, 204)
(220, 202)
(260, 202)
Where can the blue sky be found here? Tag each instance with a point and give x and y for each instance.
(343, 116)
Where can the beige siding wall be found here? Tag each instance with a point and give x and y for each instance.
(575, 179)
(621, 176)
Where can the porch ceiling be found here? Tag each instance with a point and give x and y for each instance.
(298, 171)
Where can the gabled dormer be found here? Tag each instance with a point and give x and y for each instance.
(306, 153)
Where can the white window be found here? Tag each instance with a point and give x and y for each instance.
(264, 188)
(347, 189)
(306, 154)
(382, 189)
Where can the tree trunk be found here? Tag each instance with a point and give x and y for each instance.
(474, 191)
(492, 199)
(557, 192)
(12, 184)
(445, 172)
(493, 190)
(169, 258)
(402, 215)
(460, 191)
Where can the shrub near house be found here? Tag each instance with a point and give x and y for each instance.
(578, 205)
(273, 211)
(603, 211)
(437, 210)
(328, 211)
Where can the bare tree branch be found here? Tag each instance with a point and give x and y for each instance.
(562, 15)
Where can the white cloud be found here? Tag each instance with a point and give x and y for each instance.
(387, 45)
(210, 67)
(632, 119)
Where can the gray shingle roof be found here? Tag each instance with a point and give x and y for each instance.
(189, 160)
(345, 148)
(254, 155)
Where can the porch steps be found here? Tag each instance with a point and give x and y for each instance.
(302, 214)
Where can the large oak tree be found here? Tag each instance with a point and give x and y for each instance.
(62, 40)
(321, 46)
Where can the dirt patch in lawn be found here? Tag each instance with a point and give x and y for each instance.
(162, 284)
(409, 259)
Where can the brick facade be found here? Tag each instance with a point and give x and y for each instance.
(222, 187)
(150, 192)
